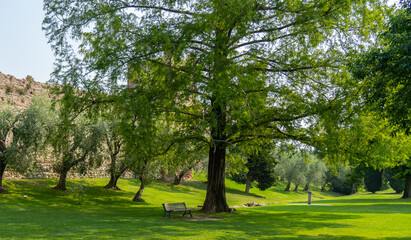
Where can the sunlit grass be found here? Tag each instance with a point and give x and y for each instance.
(107, 214)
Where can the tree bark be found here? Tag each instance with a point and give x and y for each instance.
(248, 184)
(407, 186)
(215, 197)
(137, 197)
(288, 186)
(296, 188)
(61, 186)
(112, 184)
(2, 169)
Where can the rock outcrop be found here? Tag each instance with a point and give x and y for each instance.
(19, 92)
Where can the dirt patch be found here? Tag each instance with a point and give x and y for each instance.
(201, 219)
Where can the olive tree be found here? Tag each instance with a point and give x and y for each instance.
(22, 134)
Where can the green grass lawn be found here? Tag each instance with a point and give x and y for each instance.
(105, 214)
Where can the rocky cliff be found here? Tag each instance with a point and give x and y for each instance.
(19, 92)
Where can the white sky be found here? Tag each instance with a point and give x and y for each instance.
(23, 45)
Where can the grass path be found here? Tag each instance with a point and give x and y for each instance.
(104, 214)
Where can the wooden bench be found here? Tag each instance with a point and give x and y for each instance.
(176, 207)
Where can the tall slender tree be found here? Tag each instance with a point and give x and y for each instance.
(228, 71)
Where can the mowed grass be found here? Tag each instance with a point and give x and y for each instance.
(106, 214)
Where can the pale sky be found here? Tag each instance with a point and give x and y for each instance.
(23, 45)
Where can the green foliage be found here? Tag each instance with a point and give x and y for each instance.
(386, 71)
(226, 73)
(395, 179)
(340, 183)
(22, 134)
(373, 179)
(259, 168)
(9, 89)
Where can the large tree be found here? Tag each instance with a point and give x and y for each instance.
(228, 71)
(386, 74)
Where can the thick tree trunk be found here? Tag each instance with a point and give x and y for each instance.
(407, 186)
(248, 184)
(137, 197)
(296, 188)
(112, 184)
(215, 197)
(2, 169)
(62, 180)
(288, 186)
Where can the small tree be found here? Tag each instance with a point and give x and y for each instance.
(21, 137)
(316, 170)
(115, 144)
(373, 179)
(76, 143)
(292, 167)
(259, 167)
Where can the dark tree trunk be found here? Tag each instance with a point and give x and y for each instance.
(112, 184)
(248, 184)
(288, 186)
(2, 169)
(296, 188)
(323, 187)
(179, 177)
(137, 197)
(215, 197)
(62, 180)
(407, 186)
(282, 179)
(307, 186)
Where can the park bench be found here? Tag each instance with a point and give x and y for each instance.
(176, 207)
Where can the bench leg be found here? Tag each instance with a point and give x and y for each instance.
(169, 214)
(190, 213)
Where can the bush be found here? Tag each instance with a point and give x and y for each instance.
(396, 183)
(9, 89)
(373, 180)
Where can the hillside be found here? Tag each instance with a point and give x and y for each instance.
(19, 92)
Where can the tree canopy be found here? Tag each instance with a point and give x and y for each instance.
(228, 72)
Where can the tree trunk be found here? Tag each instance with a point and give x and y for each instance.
(179, 177)
(288, 186)
(62, 180)
(2, 169)
(248, 184)
(215, 197)
(323, 187)
(282, 179)
(307, 186)
(112, 184)
(137, 197)
(407, 186)
(296, 188)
